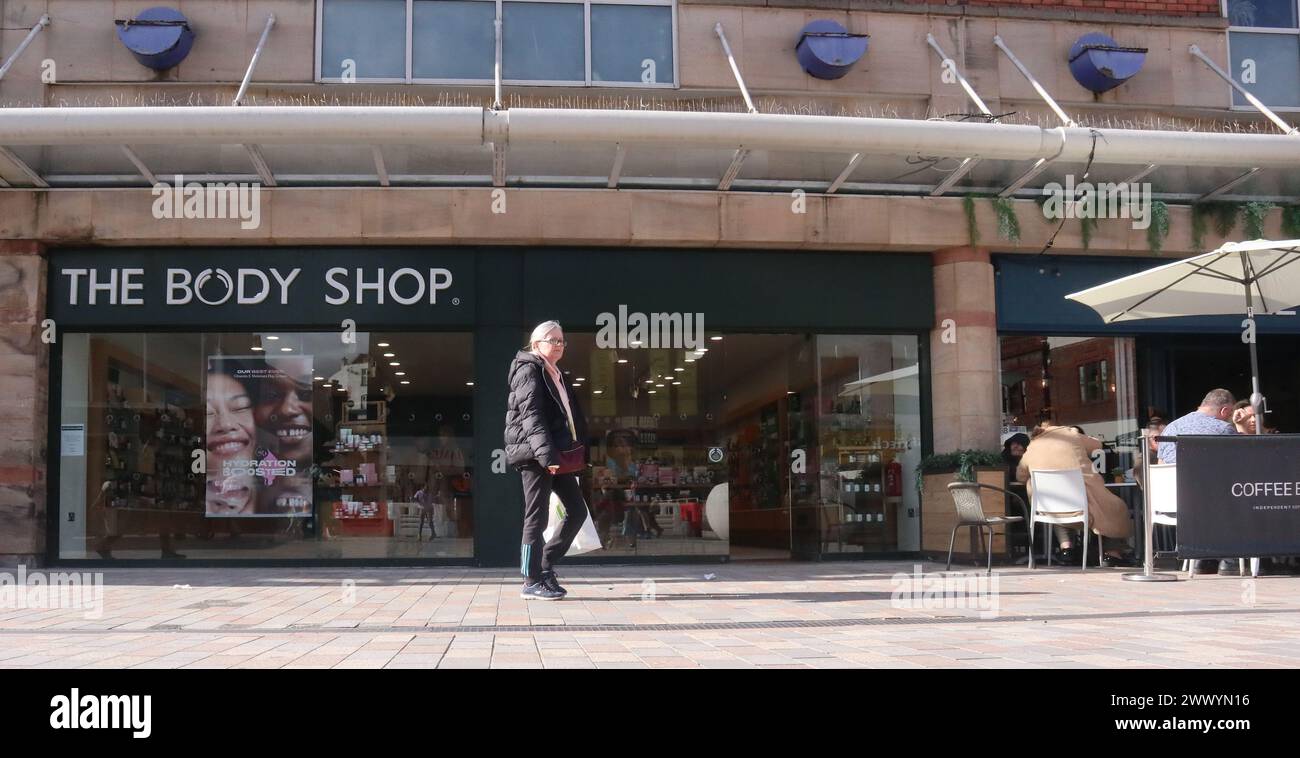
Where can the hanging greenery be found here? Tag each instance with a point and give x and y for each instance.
(972, 226)
(1253, 216)
(1159, 228)
(1200, 225)
(1225, 218)
(1008, 222)
(1291, 221)
(1086, 227)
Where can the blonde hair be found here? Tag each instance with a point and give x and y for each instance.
(540, 331)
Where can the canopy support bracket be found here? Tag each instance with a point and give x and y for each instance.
(962, 170)
(1042, 92)
(844, 175)
(617, 169)
(381, 169)
(140, 166)
(1222, 188)
(735, 69)
(952, 66)
(1254, 101)
(737, 159)
(260, 164)
(36, 29)
(18, 163)
(252, 63)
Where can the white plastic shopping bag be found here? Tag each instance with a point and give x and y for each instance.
(588, 538)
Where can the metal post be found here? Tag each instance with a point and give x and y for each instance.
(1256, 398)
(252, 64)
(1148, 559)
(36, 29)
(496, 76)
(735, 70)
(1259, 106)
(997, 40)
(970, 91)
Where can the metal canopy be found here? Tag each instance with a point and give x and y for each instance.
(306, 146)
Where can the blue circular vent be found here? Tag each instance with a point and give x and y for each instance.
(159, 37)
(1101, 65)
(826, 50)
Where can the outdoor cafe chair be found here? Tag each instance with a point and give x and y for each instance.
(970, 513)
(1059, 497)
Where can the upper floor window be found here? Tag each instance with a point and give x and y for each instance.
(1264, 50)
(625, 43)
(1094, 382)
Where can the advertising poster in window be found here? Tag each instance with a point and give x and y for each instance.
(259, 436)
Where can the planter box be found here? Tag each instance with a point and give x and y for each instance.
(939, 514)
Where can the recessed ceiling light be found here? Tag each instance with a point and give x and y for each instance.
(327, 386)
(635, 342)
(390, 355)
(651, 392)
(716, 338)
(658, 385)
(597, 392)
(690, 360)
(582, 379)
(676, 383)
(343, 389)
(272, 337)
(649, 381)
(383, 344)
(257, 348)
(319, 378)
(286, 350)
(400, 373)
(406, 381)
(789, 392)
(679, 368)
(622, 360)
(701, 350)
(394, 363)
(469, 384)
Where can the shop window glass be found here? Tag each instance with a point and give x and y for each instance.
(268, 446)
(363, 38)
(756, 445)
(1088, 382)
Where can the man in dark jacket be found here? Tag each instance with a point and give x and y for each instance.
(542, 420)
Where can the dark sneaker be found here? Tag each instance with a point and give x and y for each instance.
(539, 591)
(552, 583)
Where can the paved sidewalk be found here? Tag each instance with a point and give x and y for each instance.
(749, 615)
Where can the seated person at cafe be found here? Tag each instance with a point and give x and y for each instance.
(1063, 447)
(1012, 450)
(1214, 416)
(1243, 417)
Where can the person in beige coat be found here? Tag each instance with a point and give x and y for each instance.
(1064, 447)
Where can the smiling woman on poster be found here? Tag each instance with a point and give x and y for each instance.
(230, 441)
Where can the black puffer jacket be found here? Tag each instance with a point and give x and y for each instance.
(536, 428)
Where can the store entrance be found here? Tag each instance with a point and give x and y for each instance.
(753, 446)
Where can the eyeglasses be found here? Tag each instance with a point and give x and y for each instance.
(557, 343)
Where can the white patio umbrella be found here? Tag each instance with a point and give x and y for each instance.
(1249, 278)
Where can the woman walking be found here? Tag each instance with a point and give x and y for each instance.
(544, 427)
